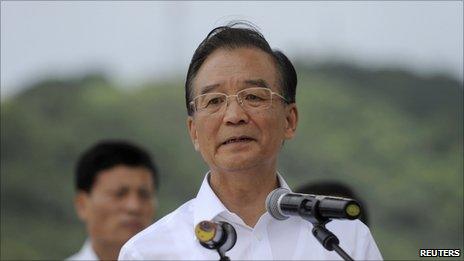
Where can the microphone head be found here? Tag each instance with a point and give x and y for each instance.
(272, 203)
(206, 231)
(216, 235)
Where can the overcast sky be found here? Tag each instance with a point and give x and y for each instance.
(138, 41)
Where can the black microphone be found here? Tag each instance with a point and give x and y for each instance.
(282, 203)
(216, 235)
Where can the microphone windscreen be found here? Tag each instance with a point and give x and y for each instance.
(272, 203)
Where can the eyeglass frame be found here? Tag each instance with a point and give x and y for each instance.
(193, 106)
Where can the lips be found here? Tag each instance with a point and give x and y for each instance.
(237, 139)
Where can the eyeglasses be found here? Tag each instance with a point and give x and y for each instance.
(249, 99)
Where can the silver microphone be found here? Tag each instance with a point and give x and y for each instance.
(282, 203)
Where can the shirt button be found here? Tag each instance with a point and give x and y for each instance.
(259, 237)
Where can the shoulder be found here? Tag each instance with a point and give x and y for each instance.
(355, 238)
(348, 228)
(76, 256)
(85, 253)
(81, 256)
(152, 242)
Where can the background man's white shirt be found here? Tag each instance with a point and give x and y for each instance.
(173, 238)
(86, 253)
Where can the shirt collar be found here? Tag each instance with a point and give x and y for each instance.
(207, 205)
(86, 252)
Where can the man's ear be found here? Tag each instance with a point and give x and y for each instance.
(291, 121)
(81, 204)
(193, 132)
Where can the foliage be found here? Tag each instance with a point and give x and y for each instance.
(396, 138)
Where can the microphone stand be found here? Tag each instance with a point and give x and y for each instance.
(222, 256)
(327, 239)
(221, 252)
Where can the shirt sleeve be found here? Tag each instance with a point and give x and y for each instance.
(372, 250)
(368, 249)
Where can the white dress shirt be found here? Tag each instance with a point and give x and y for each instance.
(173, 237)
(86, 253)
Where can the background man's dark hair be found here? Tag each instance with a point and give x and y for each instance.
(231, 37)
(107, 154)
(334, 188)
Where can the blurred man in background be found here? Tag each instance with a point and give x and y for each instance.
(115, 183)
(240, 98)
(337, 189)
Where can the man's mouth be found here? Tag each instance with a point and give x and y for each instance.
(237, 140)
(137, 225)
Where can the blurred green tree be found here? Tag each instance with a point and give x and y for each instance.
(396, 138)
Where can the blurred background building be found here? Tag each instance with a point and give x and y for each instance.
(380, 96)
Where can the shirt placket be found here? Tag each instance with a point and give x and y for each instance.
(260, 241)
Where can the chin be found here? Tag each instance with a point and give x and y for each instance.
(237, 163)
(126, 234)
(118, 239)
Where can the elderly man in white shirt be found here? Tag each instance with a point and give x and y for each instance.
(240, 97)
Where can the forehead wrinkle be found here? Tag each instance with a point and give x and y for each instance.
(221, 63)
(257, 83)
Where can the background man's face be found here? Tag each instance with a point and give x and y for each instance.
(120, 204)
(230, 71)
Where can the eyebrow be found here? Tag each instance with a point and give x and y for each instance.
(208, 88)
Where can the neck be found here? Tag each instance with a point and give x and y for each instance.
(250, 186)
(106, 251)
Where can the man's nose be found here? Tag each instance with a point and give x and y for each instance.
(133, 203)
(234, 112)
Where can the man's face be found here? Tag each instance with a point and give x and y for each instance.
(120, 204)
(230, 71)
